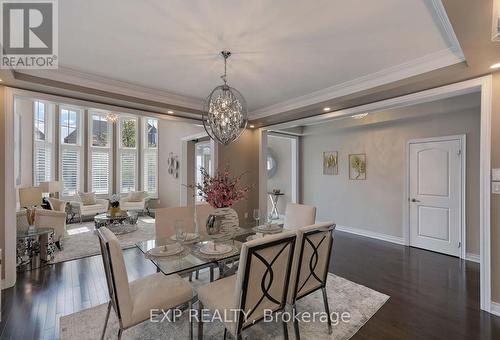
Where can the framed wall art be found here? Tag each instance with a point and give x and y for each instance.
(357, 166)
(330, 163)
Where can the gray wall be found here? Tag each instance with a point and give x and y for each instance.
(242, 156)
(282, 150)
(376, 204)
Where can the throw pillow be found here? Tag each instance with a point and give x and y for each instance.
(87, 198)
(135, 196)
(57, 204)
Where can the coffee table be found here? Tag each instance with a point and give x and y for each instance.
(123, 223)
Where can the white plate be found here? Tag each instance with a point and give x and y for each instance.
(208, 249)
(189, 237)
(167, 250)
(271, 227)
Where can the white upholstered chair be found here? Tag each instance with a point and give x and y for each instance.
(56, 219)
(310, 265)
(254, 288)
(135, 201)
(165, 219)
(45, 218)
(133, 301)
(299, 215)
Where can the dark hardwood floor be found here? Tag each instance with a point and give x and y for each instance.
(432, 296)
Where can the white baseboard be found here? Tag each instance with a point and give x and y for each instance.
(495, 308)
(372, 234)
(473, 257)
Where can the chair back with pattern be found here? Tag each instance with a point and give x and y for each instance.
(116, 274)
(311, 260)
(263, 277)
(299, 215)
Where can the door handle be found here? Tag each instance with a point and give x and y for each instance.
(414, 200)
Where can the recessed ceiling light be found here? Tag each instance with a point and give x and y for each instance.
(1, 79)
(495, 66)
(360, 116)
(170, 111)
(251, 126)
(326, 109)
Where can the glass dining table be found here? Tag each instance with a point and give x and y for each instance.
(193, 257)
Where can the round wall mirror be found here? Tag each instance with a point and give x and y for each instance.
(272, 164)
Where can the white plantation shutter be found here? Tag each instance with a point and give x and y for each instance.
(100, 172)
(43, 163)
(150, 170)
(128, 164)
(70, 167)
(150, 155)
(100, 142)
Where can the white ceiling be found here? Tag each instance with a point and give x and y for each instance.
(283, 50)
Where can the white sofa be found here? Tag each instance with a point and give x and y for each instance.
(136, 201)
(79, 209)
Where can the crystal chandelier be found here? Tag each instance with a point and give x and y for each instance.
(225, 111)
(111, 117)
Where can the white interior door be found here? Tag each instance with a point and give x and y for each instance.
(436, 195)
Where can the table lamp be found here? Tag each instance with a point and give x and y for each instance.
(51, 187)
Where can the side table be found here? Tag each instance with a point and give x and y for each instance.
(34, 248)
(274, 196)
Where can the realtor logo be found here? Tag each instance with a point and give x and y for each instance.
(28, 34)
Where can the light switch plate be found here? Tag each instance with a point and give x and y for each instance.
(495, 187)
(495, 174)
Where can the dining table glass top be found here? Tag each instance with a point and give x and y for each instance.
(194, 256)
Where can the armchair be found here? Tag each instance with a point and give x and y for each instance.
(137, 201)
(45, 218)
(78, 208)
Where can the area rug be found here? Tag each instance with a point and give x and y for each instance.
(344, 296)
(81, 241)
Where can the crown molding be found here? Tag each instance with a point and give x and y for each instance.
(446, 28)
(412, 68)
(75, 77)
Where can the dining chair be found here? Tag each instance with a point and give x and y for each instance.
(310, 266)
(165, 219)
(260, 284)
(299, 215)
(133, 301)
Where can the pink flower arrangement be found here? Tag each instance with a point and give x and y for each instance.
(221, 190)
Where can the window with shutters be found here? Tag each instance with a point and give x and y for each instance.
(70, 150)
(127, 154)
(100, 149)
(150, 156)
(43, 169)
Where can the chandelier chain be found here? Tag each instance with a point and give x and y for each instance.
(225, 55)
